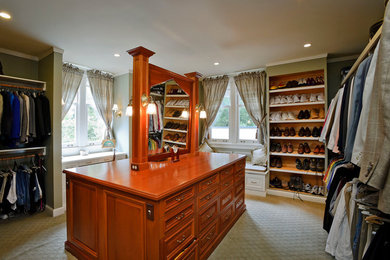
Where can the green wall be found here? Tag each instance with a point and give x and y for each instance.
(50, 71)
(334, 76)
(19, 67)
(123, 88)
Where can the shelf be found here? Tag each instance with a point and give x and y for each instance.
(296, 171)
(171, 95)
(176, 106)
(175, 130)
(23, 150)
(176, 118)
(174, 142)
(15, 82)
(156, 94)
(294, 138)
(298, 121)
(293, 194)
(298, 104)
(297, 88)
(295, 154)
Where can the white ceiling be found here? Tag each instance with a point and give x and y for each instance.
(188, 35)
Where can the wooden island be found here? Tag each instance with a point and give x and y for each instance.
(178, 210)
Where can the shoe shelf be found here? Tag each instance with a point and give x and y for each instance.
(283, 90)
(177, 96)
(173, 142)
(298, 121)
(298, 104)
(294, 194)
(176, 118)
(294, 138)
(175, 130)
(296, 171)
(295, 154)
(176, 106)
(156, 94)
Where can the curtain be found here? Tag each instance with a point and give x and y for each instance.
(252, 89)
(71, 79)
(102, 92)
(214, 91)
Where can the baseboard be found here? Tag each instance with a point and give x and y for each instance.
(55, 212)
(304, 197)
(255, 192)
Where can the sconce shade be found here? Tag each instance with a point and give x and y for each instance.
(129, 110)
(115, 107)
(184, 114)
(151, 109)
(203, 114)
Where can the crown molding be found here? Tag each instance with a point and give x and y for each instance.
(19, 54)
(50, 51)
(324, 55)
(345, 58)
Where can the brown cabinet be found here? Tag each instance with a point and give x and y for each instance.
(108, 222)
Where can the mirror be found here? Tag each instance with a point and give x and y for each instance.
(168, 127)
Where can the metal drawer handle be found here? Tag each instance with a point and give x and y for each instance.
(181, 241)
(209, 216)
(253, 181)
(180, 216)
(180, 198)
(209, 182)
(210, 236)
(208, 197)
(227, 184)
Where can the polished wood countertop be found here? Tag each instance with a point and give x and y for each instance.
(161, 179)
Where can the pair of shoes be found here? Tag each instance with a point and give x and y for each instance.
(318, 113)
(292, 84)
(304, 114)
(289, 131)
(288, 116)
(305, 165)
(287, 148)
(316, 165)
(276, 182)
(276, 147)
(303, 148)
(307, 187)
(296, 183)
(319, 149)
(316, 97)
(275, 131)
(275, 116)
(304, 132)
(276, 162)
(317, 131)
(318, 190)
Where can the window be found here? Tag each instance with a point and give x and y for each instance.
(233, 123)
(82, 125)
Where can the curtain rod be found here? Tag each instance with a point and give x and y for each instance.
(364, 54)
(85, 68)
(236, 73)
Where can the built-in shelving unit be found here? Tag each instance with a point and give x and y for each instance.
(304, 88)
(299, 104)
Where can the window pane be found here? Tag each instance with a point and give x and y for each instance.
(69, 126)
(248, 129)
(96, 125)
(220, 127)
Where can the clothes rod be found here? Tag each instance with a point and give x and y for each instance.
(24, 87)
(363, 55)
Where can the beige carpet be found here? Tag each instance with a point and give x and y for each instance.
(271, 228)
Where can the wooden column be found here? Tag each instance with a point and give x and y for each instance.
(194, 115)
(139, 158)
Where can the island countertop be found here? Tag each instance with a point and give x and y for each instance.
(161, 179)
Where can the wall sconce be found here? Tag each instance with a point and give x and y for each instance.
(116, 110)
(202, 113)
(149, 102)
(129, 108)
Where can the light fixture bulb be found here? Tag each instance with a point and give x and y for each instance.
(307, 45)
(216, 63)
(202, 114)
(117, 55)
(151, 109)
(115, 108)
(184, 114)
(129, 110)
(5, 15)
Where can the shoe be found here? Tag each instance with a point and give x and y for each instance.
(296, 98)
(272, 147)
(290, 99)
(278, 162)
(307, 187)
(284, 148)
(313, 97)
(320, 165)
(278, 99)
(315, 132)
(272, 132)
(306, 148)
(292, 131)
(314, 190)
(298, 164)
(304, 98)
(285, 116)
(168, 125)
(306, 165)
(301, 114)
(320, 131)
(273, 162)
(315, 113)
(306, 114)
(290, 148)
(322, 149)
(176, 114)
(307, 132)
(302, 82)
(272, 101)
(317, 149)
(321, 190)
(278, 132)
(291, 183)
(298, 185)
(320, 97)
(301, 149)
(322, 113)
(283, 100)
(313, 164)
(276, 182)
(286, 132)
(278, 148)
(301, 132)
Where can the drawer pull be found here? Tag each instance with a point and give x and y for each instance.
(180, 198)
(227, 184)
(253, 181)
(209, 182)
(208, 196)
(210, 236)
(180, 216)
(181, 240)
(227, 217)
(209, 216)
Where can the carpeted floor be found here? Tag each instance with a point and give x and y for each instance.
(271, 228)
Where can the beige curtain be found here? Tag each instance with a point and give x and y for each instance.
(214, 91)
(252, 89)
(102, 91)
(71, 79)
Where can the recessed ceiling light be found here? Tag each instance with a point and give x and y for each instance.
(216, 63)
(117, 55)
(307, 45)
(5, 15)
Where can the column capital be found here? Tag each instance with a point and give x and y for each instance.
(140, 51)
